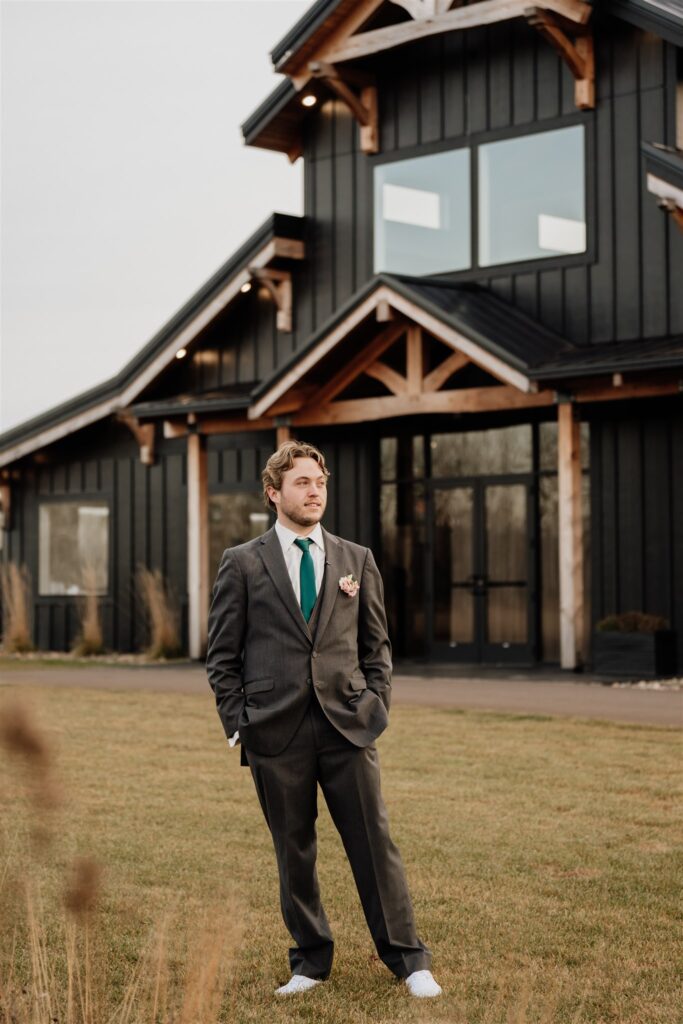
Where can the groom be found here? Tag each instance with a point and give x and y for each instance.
(300, 663)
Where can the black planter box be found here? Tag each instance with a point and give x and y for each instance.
(634, 655)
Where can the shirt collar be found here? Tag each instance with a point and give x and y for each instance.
(287, 536)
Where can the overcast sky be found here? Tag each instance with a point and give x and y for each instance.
(125, 183)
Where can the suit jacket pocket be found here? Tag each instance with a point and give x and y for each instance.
(257, 685)
(357, 681)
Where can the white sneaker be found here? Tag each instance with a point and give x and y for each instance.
(422, 984)
(297, 983)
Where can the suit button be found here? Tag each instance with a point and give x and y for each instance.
(315, 654)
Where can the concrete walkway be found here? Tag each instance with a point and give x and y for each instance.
(541, 692)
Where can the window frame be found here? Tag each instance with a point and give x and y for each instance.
(472, 142)
(88, 498)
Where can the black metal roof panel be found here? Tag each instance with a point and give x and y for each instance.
(234, 398)
(308, 23)
(613, 357)
(273, 104)
(277, 225)
(664, 162)
(663, 17)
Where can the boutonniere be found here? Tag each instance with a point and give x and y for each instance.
(349, 584)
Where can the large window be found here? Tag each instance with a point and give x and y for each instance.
(234, 518)
(73, 542)
(422, 219)
(530, 205)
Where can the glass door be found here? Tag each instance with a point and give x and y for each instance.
(481, 597)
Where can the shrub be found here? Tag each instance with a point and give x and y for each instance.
(162, 614)
(89, 640)
(15, 585)
(632, 622)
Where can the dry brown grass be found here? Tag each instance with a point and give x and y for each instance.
(15, 588)
(56, 967)
(90, 640)
(161, 611)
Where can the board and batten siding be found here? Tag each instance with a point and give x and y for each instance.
(637, 512)
(505, 77)
(147, 526)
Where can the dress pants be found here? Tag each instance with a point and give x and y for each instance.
(350, 780)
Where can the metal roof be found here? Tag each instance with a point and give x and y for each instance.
(664, 162)
(277, 225)
(663, 17)
(613, 357)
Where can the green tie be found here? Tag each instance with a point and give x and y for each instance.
(306, 578)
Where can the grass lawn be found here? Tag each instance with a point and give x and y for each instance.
(544, 857)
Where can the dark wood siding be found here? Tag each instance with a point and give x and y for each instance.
(637, 511)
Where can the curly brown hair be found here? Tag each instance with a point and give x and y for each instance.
(282, 460)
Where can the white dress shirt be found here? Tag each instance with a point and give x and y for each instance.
(293, 555)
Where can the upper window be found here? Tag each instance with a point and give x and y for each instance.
(422, 214)
(73, 547)
(531, 205)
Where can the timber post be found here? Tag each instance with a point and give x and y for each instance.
(197, 544)
(570, 533)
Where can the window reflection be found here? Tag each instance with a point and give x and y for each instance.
(234, 518)
(502, 450)
(73, 547)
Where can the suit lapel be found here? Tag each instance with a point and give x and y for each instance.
(274, 561)
(334, 568)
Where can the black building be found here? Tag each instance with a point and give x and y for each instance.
(479, 319)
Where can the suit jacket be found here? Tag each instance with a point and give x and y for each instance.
(262, 659)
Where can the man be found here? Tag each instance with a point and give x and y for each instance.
(300, 663)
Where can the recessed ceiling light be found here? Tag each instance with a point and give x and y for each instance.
(181, 353)
(246, 287)
(309, 100)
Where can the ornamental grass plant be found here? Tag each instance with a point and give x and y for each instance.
(90, 640)
(161, 612)
(15, 592)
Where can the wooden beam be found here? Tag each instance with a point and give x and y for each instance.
(641, 389)
(6, 504)
(485, 12)
(197, 544)
(384, 314)
(578, 56)
(392, 380)
(363, 105)
(359, 410)
(143, 434)
(414, 362)
(440, 374)
(570, 536)
(282, 434)
(279, 284)
(215, 425)
(359, 363)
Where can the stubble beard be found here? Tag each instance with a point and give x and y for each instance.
(303, 516)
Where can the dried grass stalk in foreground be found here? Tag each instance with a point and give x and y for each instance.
(90, 640)
(22, 738)
(15, 586)
(161, 612)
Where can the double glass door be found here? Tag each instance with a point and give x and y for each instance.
(481, 589)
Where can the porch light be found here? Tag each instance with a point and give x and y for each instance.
(309, 100)
(181, 353)
(246, 287)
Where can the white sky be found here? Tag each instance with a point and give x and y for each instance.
(124, 180)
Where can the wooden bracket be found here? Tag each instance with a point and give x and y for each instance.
(144, 435)
(673, 209)
(6, 504)
(279, 284)
(362, 104)
(578, 55)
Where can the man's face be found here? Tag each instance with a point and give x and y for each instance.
(302, 498)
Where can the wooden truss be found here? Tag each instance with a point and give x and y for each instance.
(578, 55)
(143, 434)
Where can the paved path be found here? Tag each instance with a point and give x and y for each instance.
(548, 692)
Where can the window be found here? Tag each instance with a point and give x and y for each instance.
(234, 518)
(531, 201)
(422, 219)
(530, 205)
(73, 547)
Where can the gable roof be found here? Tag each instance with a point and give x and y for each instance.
(501, 339)
(663, 17)
(117, 392)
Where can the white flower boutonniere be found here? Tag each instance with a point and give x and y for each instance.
(349, 584)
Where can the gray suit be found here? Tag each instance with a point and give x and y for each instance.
(309, 700)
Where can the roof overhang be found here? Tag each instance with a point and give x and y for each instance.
(663, 17)
(279, 238)
(664, 176)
